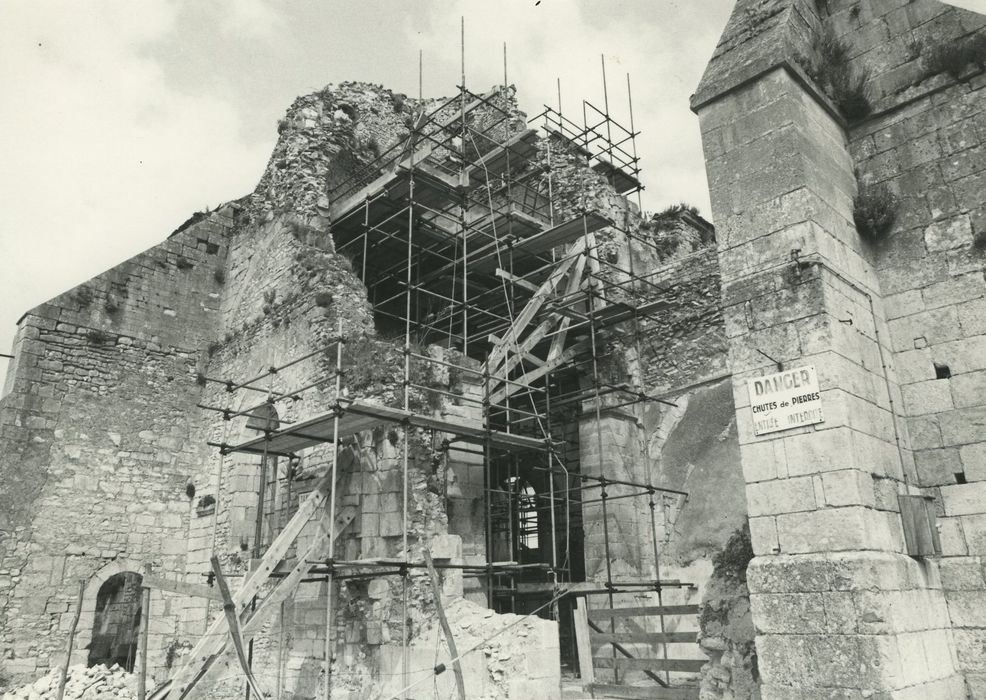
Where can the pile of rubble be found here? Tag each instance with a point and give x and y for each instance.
(82, 684)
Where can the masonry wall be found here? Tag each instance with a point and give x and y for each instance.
(118, 387)
(926, 145)
(801, 285)
(101, 435)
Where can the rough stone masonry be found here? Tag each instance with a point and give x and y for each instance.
(844, 152)
(844, 148)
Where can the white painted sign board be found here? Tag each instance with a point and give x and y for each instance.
(785, 400)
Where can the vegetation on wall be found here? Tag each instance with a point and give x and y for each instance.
(955, 57)
(375, 367)
(83, 296)
(735, 556)
(830, 69)
(98, 337)
(874, 210)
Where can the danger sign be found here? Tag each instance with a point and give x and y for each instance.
(785, 400)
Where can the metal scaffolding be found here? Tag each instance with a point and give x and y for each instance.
(459, 234)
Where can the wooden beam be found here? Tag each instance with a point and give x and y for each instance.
(145, 619)
(606, 613)
(517, 385)
(512, 336)
(71, 639)
(436, 588)
(646, 637)
(533, 359)
(222, 660)
(582, 643)
(574, 284)
(212, 642)
(518, 281)
(195, 590)
(640, 692)
(233, 620)
(680, 665)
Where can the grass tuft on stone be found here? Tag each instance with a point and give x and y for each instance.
(955, 57)
(874, 211)
(735, 556)
(98, 337)
(831, 71)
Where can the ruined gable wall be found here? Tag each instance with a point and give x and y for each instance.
(100, 434)
(287, 293)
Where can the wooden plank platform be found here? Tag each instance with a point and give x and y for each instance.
(607, 613)
(639, 692)
(646, 637)
(356, 416)
(622, 180)
(565, 232)
(516, 151)
(681, 665)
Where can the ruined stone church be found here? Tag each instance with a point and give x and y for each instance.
(438, 411)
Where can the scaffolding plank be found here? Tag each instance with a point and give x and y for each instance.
(582, 642)
(606, 613)
(520, 146)
(618, 313)
(622, 181)
(356, 416)
(345, 205)
(681, 665)
(562, 233)
(211, 644)
(646, 637)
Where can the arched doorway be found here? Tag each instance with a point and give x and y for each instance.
(116, 622)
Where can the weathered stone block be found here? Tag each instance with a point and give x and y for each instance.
(962, 574)
(819, 451)
(974, 527)
(780, 496)
(938, 466)
(936, 326)
(763, 535)
(967, 608)
(964, 499)
(963, 425)
(974, 461)
(846, 488)
(932, 396)
(963, 355)
(969, 389)
(833, 530)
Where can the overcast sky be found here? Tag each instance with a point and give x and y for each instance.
(119, 119)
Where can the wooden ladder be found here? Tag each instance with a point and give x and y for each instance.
(212, 652)
(590, 636)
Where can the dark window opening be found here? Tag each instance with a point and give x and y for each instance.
(942, 371)
(117, 622)
(960, 477)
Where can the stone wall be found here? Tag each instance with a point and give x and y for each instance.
(924, 145)
(832, 589)
(101, 435)
(106, 420)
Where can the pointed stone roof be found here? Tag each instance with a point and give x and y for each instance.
(760, 35)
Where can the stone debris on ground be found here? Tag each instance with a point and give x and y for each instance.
(83, 683)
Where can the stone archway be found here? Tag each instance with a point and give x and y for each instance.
(116, 623)
(97, 601)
